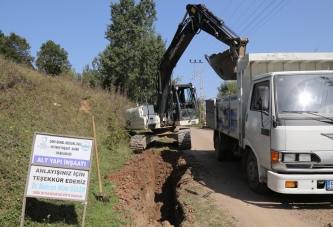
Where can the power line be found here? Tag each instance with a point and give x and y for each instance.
(236, 9)
(207, 44)
(226, 7)
(243, 14)
(199, 50)
(271, 17)
(260, 13)
(264, 17)
(252, 14)
(221, 46)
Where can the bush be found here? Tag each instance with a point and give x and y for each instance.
(117, 133)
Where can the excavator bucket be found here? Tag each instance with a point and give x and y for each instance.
(224, 65)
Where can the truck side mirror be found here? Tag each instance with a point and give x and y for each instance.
(262, 98)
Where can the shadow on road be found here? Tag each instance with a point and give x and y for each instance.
(225, 178)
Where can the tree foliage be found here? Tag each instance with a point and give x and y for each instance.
(52, 59)
(15, 48)
(130, 60)
(91, 76)
(227, 88)
(2, 36)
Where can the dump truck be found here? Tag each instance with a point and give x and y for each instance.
(280, 121)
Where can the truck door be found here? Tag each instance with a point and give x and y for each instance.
(258, 121)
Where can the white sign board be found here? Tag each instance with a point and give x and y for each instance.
(57, 183)
(59, 169)
(61, 151)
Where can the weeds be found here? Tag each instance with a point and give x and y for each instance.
(117, 133)
(206, 213)
(31, 102)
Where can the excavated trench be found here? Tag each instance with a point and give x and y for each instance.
(148, 186)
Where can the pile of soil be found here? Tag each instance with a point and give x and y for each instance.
(147, 188)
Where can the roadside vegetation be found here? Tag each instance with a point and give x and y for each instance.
(227, 87)
(44, 94)
(32, 102)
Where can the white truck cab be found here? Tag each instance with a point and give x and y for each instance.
(281, 121)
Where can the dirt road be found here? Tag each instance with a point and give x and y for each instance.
(233, 195)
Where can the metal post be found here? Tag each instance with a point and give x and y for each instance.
(23, 211)
(84, 213)
(202, 95)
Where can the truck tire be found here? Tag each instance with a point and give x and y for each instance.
(253, 175)
(222, 146)
(222, 151)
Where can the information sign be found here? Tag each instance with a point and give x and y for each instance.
(62, 151)
(59, 169)
(48, 182)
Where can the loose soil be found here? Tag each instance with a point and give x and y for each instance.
(146, 188)
(155, 189)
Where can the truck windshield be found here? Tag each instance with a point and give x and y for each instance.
(304, 94)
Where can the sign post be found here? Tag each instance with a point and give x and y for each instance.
(59, 168)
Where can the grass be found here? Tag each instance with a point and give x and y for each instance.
(31, 102)
(203, 208)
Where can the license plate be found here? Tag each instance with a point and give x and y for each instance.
(329, 185)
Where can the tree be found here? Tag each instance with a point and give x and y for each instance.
(2, 40)
(130, 60)
(52, 59)
(227, 88)
(90, 76)
(2, 36)
(176, 80)
(15, 48)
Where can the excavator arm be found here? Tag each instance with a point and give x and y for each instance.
(198, 18)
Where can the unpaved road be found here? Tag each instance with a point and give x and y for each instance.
(233, 195)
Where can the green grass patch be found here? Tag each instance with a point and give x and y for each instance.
(203, 208)
(31, 102)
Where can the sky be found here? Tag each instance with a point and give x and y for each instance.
(270, 25)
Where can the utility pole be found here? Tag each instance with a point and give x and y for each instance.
(195, 73)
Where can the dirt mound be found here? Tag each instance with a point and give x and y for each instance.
(146, 188)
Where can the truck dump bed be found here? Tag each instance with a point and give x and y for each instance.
(269, 62)
(222, 114)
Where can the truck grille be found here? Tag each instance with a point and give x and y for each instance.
(298, 166)
(322, 166)
(310, 166)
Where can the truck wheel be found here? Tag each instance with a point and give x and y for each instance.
(253, 175)
(220, 154)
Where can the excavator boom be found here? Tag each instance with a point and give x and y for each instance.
(198, 17)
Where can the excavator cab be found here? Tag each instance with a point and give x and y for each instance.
(184, 104)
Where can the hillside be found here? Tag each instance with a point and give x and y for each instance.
(32, 102)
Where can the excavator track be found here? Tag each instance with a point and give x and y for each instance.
(138, 143)
(184, 139)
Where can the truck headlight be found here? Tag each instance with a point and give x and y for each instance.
(289, 157)
(304, 157)
(300, 157)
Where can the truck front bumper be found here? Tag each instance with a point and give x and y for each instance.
(306, 183)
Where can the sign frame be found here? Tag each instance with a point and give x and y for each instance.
(60, 170)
